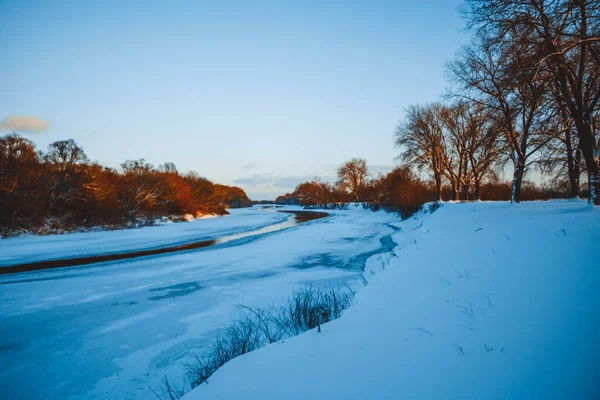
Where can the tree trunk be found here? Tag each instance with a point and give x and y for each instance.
(465, 187)
(438, 185)
(587, 144)
(465, 190)
(517, 180)
(455, 195)
(577, 168)
(593, 182)
(572, 168)
(477, 191)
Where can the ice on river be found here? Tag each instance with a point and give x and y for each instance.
(113, 330)
(39, 248)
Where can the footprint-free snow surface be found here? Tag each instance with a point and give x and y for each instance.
(113, 330)
(480, 301)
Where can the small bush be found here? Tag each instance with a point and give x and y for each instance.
(309, 307)
(252, 328)
(241, 337)
(169, 391)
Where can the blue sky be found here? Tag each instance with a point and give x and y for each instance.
(253, 93)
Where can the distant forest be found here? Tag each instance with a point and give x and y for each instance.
(61, 190)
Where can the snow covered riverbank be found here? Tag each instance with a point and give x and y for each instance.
(481, 301)
(113, 330)
(40, 248)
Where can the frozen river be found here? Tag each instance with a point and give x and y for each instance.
(113, 330)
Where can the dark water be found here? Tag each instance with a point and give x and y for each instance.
(298, 217)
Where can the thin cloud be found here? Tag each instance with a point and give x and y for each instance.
(277, 181)
(23, 124)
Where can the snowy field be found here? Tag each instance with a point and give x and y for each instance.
(113, 330)
(480, 301)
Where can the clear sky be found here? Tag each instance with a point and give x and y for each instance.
(257, 94)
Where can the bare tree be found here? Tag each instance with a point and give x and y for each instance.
(497, 78)
(144, 189)
(65, 156)
(564, 38)
(168, 167)
(561, 157)
(421, 140)
(136, 167)
(473, 141)
(66, 161)
(353, 175)
(455, 154)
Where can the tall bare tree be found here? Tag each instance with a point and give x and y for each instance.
(561, 157)
(66, 161)
(353, 176)
(65, 156)
(455, 155)
(564, 39)
(473, 139)
(497, 78)
(420, 138)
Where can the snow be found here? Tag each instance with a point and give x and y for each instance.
(38, 248)
(113, 330)
(477, 301)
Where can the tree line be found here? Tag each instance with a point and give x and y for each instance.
(402, 190)
(61, 190)
(524, 95)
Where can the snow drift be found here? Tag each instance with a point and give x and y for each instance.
(478, 300)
